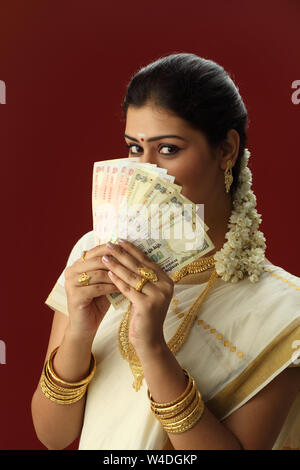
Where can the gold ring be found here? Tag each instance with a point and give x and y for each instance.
(83, 255)
(147, 275)
(84, 279)
(140, 284)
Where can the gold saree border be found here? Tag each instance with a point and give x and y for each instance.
(289, 448)
(273, 357)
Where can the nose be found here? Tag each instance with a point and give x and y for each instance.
(148, 157)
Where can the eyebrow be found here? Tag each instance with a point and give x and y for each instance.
(156, 138)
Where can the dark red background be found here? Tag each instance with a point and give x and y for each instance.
(66, 65)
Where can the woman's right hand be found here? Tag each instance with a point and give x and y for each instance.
(87, 305)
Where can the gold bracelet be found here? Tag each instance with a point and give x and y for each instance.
(180, 414)
(173, 403)
(178, 405)
(73, 391)
(60, 391)
(61, 400)
(175, 409)
(187, 413)
(63, 382)
(58, 397)
(170, 418)
(57, 388)
(187, 423)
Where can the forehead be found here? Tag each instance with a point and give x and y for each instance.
(148, 119)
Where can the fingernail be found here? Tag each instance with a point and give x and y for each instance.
(121, 240)
(110, 245)
(105, 258)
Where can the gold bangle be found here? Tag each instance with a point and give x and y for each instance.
(57, 379)
(59, 397)
(186, 423)
(182, 413)
(61, 400)
(186, 414)
(173, 403)
(52, 384)
(52, 388)
(170, 418)
(180, 406)
(177, 405)
(67, 392)
(190, 419)
(176, 409)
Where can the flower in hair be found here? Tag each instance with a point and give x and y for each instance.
(243, 254)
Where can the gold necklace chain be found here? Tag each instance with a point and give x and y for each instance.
(178, 339)
(196, 266)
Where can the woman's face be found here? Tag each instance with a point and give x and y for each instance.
(187, 155)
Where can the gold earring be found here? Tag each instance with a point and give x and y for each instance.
(228, 176)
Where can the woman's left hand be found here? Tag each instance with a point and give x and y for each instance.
(149, 306)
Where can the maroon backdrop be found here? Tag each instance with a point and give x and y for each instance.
(66, 66)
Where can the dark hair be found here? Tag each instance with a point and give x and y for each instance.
(197, 90)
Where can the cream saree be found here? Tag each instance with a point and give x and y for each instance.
(244, 336)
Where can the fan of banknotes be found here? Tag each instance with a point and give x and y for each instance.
(141, 203)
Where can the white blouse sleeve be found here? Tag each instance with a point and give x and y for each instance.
(57, 299)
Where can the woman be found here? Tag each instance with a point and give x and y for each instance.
(239, 349)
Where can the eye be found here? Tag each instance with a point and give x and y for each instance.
(172, 149)
(130, 146)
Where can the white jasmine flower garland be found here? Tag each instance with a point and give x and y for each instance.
(244, 252)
